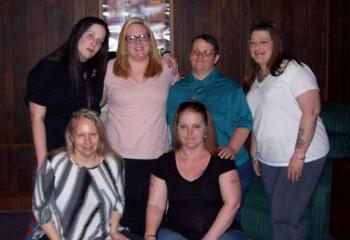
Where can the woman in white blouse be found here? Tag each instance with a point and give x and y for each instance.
(289, 142)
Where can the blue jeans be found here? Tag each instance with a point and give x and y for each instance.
(246, 177)
(167, 234)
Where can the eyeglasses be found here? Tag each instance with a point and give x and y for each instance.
(141, 37)
(204, 53)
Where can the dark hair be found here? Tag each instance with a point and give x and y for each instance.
(278, 54)
(210, 140)
(68, 54)
(209, 39)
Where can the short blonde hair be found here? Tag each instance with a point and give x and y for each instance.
(122, 67)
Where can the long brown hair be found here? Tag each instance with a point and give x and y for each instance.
(275, 62)
(122, 67)
(68, 54)
(210, 143)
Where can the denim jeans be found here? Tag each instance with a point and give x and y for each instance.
(167, 234)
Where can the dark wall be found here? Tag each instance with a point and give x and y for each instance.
(316, 31)
(29, 30)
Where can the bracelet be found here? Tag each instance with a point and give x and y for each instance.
(299, 157)
(163, 51)
(254, 159)
(149, 236)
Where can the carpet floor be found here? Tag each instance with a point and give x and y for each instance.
(13, 224)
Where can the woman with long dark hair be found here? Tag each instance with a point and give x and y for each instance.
(65, 81)
(289, 142)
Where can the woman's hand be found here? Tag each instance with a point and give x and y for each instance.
(171, 62)
(295, 168)
(227, 152)
(116, 235)
(208, 237)
(256, 167)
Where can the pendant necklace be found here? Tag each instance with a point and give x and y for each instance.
(194, 92)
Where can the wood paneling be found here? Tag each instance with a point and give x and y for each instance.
(316, 31)
(29, 30)
(304, 26)
(339, 51)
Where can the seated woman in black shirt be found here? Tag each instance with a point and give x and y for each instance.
(202, 190)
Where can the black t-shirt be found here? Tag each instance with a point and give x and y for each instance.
(49, 85)
(193, 205)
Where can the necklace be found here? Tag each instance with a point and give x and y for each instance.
(262, 75)
(193, 97)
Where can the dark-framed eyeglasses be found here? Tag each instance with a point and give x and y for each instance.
(142, 37)
(204, 53)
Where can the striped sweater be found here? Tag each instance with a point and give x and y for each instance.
(78, 200)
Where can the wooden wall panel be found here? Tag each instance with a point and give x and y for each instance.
(304, 26)
(339, 53)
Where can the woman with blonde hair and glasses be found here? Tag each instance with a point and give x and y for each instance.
(136, 89)
(79, 190)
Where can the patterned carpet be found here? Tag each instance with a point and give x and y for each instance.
(13, 225)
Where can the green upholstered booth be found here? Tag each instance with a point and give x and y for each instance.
(255, 211)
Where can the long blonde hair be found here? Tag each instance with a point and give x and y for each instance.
(122, 66)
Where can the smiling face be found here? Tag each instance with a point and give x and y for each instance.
(90, 42)
(191, 129)
(261, 47)
(85, 138)
(202, 58)
(138, 48)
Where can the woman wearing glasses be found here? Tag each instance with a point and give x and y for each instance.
(224, 99)
(136, 89)
(79, 190)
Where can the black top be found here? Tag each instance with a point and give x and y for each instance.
(49, 85)
(193, 205)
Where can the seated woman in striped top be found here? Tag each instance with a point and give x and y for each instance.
(79, 190)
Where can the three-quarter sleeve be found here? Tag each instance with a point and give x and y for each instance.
(43, 194)
(119, 184)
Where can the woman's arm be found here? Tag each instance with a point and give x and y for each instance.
(253, 155)
(42, 197)
(238, 138)
(51, 231)
(37, 117)
(231, 197)
(310, 106)
(115, 234)
(156, 206)
(104, 97)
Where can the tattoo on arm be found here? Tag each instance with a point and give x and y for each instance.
(300, 141)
